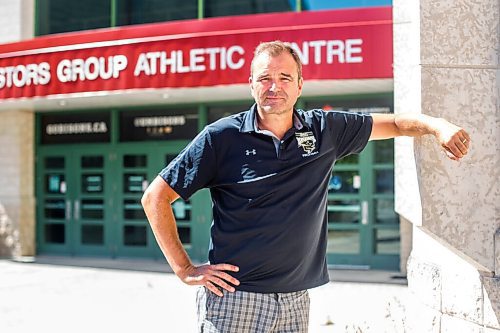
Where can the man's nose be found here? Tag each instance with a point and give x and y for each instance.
(275, 86)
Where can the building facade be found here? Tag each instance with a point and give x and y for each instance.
(107, 108)
(97, 96)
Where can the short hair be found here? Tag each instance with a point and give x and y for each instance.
(274, 49)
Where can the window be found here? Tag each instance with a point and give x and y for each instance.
(214, 8)
(56, 16)
(151, 11)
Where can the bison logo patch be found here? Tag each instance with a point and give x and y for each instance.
(306, 141)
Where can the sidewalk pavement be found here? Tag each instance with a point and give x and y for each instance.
(64, 294)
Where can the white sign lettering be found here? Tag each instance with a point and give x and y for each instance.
(152, 63)
(76, 128)
(173, 62)
(91, 68)
(24, 75)
(159, 121)
(340, 51)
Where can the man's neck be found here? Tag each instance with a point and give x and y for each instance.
(278, 124)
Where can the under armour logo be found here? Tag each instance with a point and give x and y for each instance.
(253, 152)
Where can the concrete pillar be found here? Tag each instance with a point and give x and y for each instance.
(446, 65)
(17, 19)
(17, 203)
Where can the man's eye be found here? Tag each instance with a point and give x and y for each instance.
(264, 79)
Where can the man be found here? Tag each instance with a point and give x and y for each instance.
(268, 170)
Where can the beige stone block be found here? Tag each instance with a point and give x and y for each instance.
(9, 231)
(459, 32)
(424, 282)
(451, 324)
(17, 142)
(421, 319)
(17, 218)
(27, 227)
(17, 226)
(27, 155)
(462, 293)
(491, 289)
(459, 199)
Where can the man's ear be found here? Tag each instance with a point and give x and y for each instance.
(250, 81)
(301, 83)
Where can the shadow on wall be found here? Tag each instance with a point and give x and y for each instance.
(9, 235)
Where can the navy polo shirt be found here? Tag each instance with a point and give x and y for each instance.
(269, 201)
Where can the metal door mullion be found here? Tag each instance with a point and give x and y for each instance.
(365, 169)
(343, 226)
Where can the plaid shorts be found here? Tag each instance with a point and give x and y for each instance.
(247, 312)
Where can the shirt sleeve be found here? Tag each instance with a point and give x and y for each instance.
(350, 131)
(194, 167)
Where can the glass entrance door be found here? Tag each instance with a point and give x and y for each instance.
(363, 228)
(92, 202)
(136, 168)
(53, 203)
(88, 202)
(74, 213)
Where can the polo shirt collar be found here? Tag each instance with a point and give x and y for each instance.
(249, 123)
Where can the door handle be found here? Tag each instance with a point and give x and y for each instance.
(364, 212)
(76, 211)
(67, 210)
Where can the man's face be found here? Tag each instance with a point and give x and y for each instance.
(275, 84)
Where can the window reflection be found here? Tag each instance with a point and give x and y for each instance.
(55, 209)
(387, 241)
(182, 210)
(132, 210)
(93, 209)
(92, 235)
(343, 211)
(384, 151)
(384, 181)
(92, 183)
(89, 162)
(134, 235)
(54, 162)
(344, 182)
(384, 211)
(55, 233)
(343, 241)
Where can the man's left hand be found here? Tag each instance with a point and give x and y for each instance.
(454, 140)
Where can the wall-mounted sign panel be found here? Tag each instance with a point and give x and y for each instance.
(158, 125)
(76, 128)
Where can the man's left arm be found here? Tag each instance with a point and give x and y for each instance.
(454, 140)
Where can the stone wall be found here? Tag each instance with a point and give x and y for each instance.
(446, 65)
(17, 203)
(448, 293)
